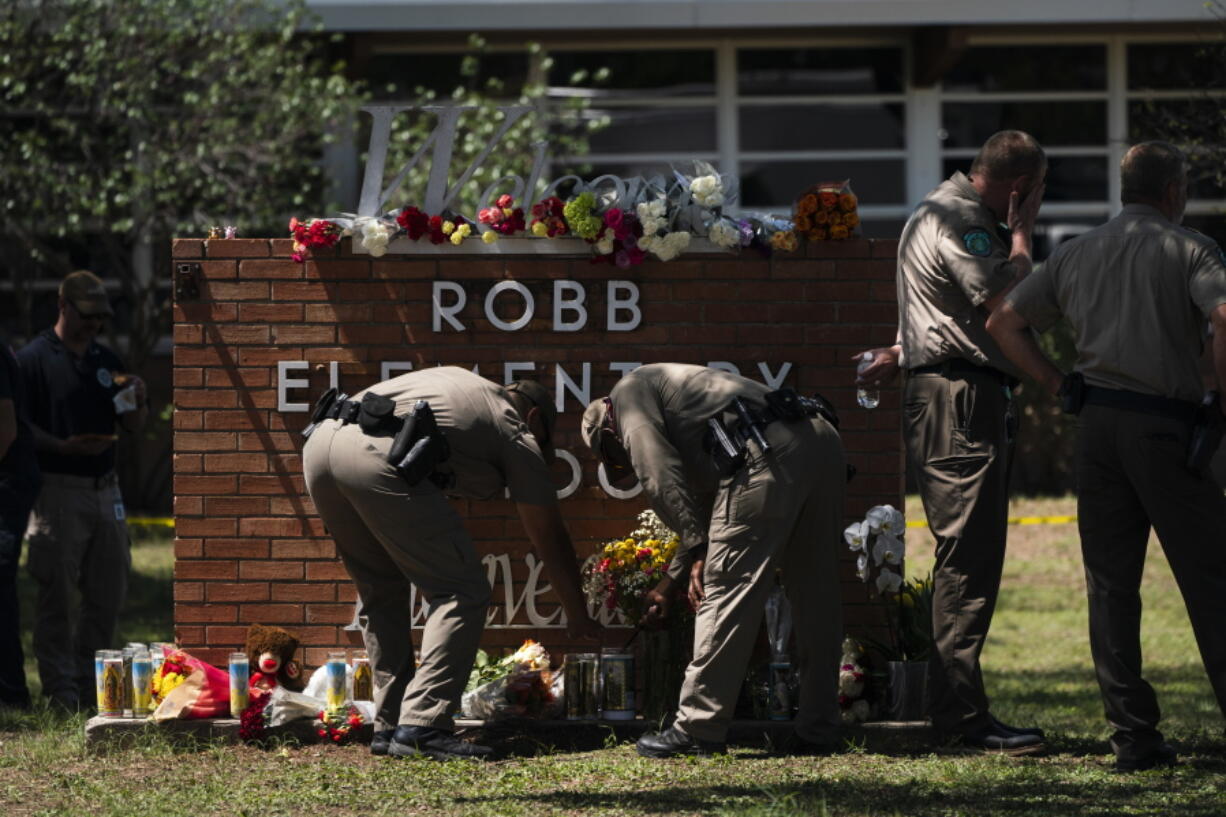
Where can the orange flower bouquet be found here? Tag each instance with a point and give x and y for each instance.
(827, 211)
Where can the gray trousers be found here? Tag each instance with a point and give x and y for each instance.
(779, 512)
(1131, 476)
(957, 442)
(80, 557)
(390, 537)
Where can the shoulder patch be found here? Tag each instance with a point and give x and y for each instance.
(978, 242)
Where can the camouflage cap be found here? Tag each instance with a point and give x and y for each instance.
(86, 292)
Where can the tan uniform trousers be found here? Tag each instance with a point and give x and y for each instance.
(957, 442)
(78, 544)
(391, 536)
(1131, 475)
(784, 511)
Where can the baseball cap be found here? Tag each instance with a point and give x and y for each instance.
(539, 396)
(593, 421)
(86, 292)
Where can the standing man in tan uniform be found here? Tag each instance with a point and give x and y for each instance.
(955, 264)
(781, 509)
(1138, 292)
(391, 535)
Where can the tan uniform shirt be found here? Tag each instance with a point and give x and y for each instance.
(1137, 291)
(661, 412)
(491, 448)
(951, 258)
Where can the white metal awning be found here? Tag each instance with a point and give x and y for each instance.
(595, 15)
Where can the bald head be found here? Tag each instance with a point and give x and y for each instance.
(1149, 169)
(1008, 155)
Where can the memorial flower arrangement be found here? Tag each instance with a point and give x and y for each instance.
(518, 684)
(336, 726)
(313, 234)
(827, 211)
(618, 575)
(878, 544)
(502, 218)
(624, 222)
(548, 218)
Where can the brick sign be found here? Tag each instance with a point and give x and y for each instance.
(263, 336)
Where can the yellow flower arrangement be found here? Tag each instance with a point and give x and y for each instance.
(617, 576)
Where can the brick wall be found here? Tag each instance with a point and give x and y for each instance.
(249, 547)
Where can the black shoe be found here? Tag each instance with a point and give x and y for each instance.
(994, 740)
(380, 741)
(1163, 755)
(410, 741)
(1018, 730)
(672, 742)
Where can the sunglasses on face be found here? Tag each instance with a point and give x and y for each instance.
(90, 316)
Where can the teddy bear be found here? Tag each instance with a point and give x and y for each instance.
(270, 651)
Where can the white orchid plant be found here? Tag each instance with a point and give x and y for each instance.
(878, 543)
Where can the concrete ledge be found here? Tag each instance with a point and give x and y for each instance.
(517, 735)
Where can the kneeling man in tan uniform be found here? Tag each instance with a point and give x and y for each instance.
(392, 534)
(777, 504)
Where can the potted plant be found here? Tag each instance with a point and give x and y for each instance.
(879, 544)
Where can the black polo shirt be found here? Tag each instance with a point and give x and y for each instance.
(70, 395)
(19, 466)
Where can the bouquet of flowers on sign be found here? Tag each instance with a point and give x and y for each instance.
(878, 543)
(618, 575)
(519, 685)
(827, 211)
(186, 687)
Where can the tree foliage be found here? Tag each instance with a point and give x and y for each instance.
(126, 122)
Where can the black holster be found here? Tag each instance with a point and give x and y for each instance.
(726, 450)
(419, 446)
(1207, 432)
(321, 410)
(1072, 393)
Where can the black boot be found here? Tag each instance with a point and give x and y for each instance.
(409, 741)
(992, 739)
(673, 742)
(1018, 730)
(1163, 755)
(380, 741)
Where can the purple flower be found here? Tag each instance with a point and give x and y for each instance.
(630, 242)
(746, 230)
(622, 259)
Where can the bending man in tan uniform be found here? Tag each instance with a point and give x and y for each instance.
(779, 510)
(391, 535)
(1138, 292)
(955, 265)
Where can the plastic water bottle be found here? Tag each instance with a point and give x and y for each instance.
(867, 398)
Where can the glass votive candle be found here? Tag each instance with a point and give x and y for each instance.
(363, 677)
(142, 680)
(336, 674)
(240, 677)
(108, 669)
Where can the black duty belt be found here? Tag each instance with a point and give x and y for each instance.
(1183, 410)
(959, 366)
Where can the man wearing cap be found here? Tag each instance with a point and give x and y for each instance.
(78, 394)
(961, 251)
(395, 528)
(778, 506)
(1138, 292)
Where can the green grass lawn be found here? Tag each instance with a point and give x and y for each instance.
(1037, 668)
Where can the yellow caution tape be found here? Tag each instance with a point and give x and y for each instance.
(1013, 520)
(152, 521)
